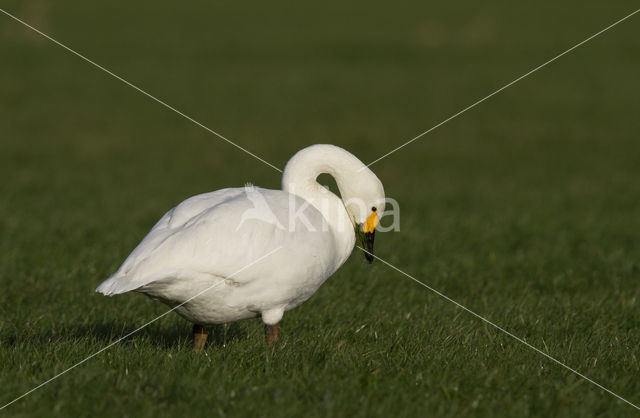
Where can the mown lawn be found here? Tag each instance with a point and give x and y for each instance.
(526, 209)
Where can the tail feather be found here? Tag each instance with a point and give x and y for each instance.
(113, 286)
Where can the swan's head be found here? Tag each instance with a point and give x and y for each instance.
(364, 199)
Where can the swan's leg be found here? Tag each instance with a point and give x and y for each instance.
(272, 334)
(271, 318)
(199, 338)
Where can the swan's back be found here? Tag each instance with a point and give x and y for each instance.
(211, 235)
(171, 223)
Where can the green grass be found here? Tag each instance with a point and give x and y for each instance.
(525, 209)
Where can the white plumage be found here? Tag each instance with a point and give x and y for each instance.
(303, 232)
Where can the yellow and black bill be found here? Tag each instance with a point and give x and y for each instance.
(369, 229)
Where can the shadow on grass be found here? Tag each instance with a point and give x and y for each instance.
(172, 337)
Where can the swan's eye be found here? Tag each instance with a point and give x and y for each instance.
(373, 209)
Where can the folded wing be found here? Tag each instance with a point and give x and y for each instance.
(218, 234)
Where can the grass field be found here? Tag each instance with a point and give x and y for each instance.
(525, 209)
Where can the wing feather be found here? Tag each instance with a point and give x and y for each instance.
(210, 234)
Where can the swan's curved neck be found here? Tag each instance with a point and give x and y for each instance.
(301, 173)
(300, 178)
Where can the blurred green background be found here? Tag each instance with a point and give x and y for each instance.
(525, 209)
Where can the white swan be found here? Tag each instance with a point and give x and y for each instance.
(258, 255)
